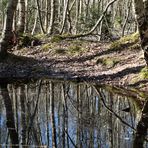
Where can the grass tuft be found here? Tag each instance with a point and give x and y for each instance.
(46, 47)
(56, 38)
(74, 49)
(61, 51)
(107, 62)
(128, 41)
(144, 73)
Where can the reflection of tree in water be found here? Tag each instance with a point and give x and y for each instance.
(64, 114)
(9, 116)
(23, 114)
(142, 126)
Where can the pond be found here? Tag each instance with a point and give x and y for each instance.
(64, 114)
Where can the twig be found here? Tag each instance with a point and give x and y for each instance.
(71, 139)
(111, 111)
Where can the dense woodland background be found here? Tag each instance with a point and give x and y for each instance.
(98, 19)
(73, 17)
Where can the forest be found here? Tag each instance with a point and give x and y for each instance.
(102, 18)
(82, 39)
(74, 73)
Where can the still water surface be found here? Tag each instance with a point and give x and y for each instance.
(71, 115)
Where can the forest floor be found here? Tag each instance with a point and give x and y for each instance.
(78, 60)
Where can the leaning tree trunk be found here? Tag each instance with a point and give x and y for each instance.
(141, 10)
(7, 34)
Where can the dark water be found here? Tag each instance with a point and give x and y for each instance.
(72, 115)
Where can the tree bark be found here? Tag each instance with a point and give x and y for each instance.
(46, 22)
(95, 26)
(64, 15)
(35, 23)
(7, 34)
(52, 17)
(127, 16)
(141, 130)
(77, 15)
(40, 17)
(21, 21)
(141, 10)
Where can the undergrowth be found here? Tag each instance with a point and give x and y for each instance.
(107, 62)
(144, 73)
(127, 42)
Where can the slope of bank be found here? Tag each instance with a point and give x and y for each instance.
(120, 63)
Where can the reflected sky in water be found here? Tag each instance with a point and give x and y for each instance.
(69, 115)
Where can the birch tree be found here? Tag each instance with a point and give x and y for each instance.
(64, 15)
(21, 21)
(52, 17)
(7, 34)
(141, 10)
(40, 16)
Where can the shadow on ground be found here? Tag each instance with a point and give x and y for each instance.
(26, 68)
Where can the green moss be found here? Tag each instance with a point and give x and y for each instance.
(46, 47)
(60, 50)
(107, 62)
(74, 49)
(144, 73)
(40, 36)
(79, 42)
(56, 38)
(125, 42)
(136, 46)
(26, 40)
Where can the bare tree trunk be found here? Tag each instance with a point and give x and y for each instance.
(64, 15)
(35, 23)
(69, 22)
(21, 21)
(3, 14)
(87, 2)
(141, 130)
(127, 16)
(7, 35)
(97, 23)
(52, 17)
(46, 15)
(59, 10)
(14, 25)
(101, 17)
(141, 10)
(40, 17)
(26, 16)
(77, 15)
